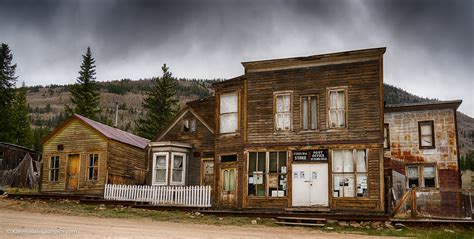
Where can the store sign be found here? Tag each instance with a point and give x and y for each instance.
(311, 155)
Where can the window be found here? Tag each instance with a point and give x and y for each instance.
(349, 170)
(177, 168)
(421, 176)
(160, 167)
(189, 125)
(228, 158)
(283, 111)
(54, 169)
(93, 167)
(309, 112)
(337, 108)
(386, 137)
(426, 135)
(228, 111)
(267, 174)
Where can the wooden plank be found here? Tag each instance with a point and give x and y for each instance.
(301, 224)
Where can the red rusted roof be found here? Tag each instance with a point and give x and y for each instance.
(115, 134)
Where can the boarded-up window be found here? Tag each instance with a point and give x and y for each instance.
(161, 168)
(54, 168)
(349, 173)
(337, 108)
(93, 167)
(189, 125)
(228, 113)
(309, 112)
(386, 137)
(178, 164)
(283, 111)
(413, 176)
(267, 174)
(426, 134)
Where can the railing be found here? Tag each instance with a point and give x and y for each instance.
(183, 196)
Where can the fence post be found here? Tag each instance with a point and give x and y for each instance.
(413, 202)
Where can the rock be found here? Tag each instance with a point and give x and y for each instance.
(220, 218)
(388, 225)
(192, 217)
(399, 226)
(258, 219)
(355, 224)
(399, 230)
(102, 207)
(254, 222)
(197, 213)
(343, 224)
(367, 227)
(331, 221)
(447, 230)
(330, 228)
(376, 224)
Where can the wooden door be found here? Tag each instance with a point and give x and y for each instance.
(310, 185)
(72, 177)
(207, 172)
(229, 187)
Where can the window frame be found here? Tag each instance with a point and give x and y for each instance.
(433, 143)
(55, 169)
(93, 167)
(236, 93)
(153, 179)
(386, 128)
(183, 175)
(188, 123)
(309, 109)
(421, 175)
(328, 107)
(277, 94)
(354, 172)
(266, 174)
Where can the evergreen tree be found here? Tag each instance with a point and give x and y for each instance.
(7, 94)
(22, 129)
(161, 105)
(84, 94)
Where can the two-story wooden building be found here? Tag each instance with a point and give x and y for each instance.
(304, 132)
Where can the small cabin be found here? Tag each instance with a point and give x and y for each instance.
(421, 151)
(81, 155)
(182, 154)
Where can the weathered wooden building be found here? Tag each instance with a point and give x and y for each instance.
(81, 155)
(422, 151)
(12, 172)
(183, 152)
(304, 133)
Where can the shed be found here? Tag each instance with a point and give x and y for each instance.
(81, 155)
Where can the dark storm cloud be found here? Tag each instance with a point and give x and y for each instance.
(430, 43)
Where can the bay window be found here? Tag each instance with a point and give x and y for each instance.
(160, 169)
(177, 168)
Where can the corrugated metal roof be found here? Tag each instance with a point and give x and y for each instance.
(115, 134)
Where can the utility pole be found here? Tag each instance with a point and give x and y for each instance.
(116, 115)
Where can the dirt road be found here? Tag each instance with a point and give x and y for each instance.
(19, 224)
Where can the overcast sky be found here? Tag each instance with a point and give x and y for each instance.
(429, 43)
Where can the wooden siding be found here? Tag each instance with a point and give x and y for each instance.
(364, 115)
(126, 164)
(77, 138)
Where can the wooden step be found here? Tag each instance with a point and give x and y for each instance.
(300, 224)
(302, 219)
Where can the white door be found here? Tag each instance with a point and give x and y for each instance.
(310, 184)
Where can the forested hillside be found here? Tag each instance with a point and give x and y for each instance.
(46, 104)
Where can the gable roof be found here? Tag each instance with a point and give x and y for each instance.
(202, 109)
(106, 131)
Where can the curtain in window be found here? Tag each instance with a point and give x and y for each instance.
(428, 172)
(283, 107)
(304, 114)
(228, 123)
(412, 172)
(228, 103)
(232, 180)
(160, 169)
(361, 162)
(177, 168)
(348, 162)
(314, 113)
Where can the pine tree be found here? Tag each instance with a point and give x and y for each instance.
(84, 94)
(7, 93)
(22, 129)
(161, 105)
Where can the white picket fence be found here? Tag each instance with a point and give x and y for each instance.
(185, 196)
